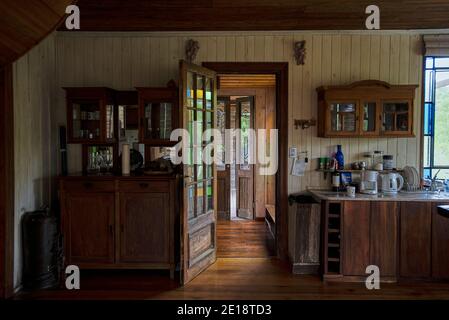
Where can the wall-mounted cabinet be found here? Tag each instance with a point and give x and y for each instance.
(91, 115)
(368, 108)
(158, 114)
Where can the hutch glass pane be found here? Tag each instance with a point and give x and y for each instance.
(343, 116)
(395, 116)
(86, 120)
(369, 117)
(109, 122)
(158, 120)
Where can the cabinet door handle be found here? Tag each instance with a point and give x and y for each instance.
(144, 185)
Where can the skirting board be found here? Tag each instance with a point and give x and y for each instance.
(301, 268)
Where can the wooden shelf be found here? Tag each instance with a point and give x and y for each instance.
(333, 259)
(334, 231)
(333, 245)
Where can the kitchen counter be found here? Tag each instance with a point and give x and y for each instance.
(327, 195)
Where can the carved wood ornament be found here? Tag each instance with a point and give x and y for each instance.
(192, 48)
(300, 52)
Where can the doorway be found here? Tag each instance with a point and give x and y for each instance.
(246, 195)
(198, 93)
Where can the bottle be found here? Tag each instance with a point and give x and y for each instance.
(340, 158)
(336, 181)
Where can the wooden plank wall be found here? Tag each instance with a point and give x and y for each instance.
(33, 81)
(127, 60)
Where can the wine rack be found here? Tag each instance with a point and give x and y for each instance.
(332, 239)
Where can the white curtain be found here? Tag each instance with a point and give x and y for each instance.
(437, 45)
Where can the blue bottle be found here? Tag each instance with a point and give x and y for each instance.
(340, 158)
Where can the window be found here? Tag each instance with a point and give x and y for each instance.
(436, 117)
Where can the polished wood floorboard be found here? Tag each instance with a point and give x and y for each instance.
(234, 279)
(243, 239)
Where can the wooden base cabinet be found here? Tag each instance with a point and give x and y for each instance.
(89, 227)
(356, 238)
(415, 245)
(119, 222)
(369, 237)
(406, 240)
(440, 244)
(384, 237)
(144, 221)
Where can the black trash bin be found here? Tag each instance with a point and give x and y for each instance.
(42, 250)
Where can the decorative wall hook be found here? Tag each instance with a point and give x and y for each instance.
(192, 48)
(304, 124)
(300, 52)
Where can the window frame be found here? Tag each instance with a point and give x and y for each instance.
(431, 169)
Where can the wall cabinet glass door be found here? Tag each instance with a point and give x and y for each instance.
(158, 114)
(396, 117)
(369, 122)
(90, 115)
(343, 118)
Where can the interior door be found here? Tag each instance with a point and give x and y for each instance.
(223, 170)
(198, 101)
(245, 170)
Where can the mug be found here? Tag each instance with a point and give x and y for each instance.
(350, 191)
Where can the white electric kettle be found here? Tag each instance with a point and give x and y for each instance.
(391, 182)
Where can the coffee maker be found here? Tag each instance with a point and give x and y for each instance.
(368, 182)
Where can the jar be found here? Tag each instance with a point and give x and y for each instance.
(388, 162)
(378, 160)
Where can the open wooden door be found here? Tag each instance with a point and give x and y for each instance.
(245, 170)
(198, 230)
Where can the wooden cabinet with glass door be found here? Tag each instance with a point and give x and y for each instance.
(158, 114)
(90, 115)
(368, 108)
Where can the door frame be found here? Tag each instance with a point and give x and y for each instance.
(280, 69)
(7, 183)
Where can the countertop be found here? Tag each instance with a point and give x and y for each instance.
(401, 196)
(111, 176)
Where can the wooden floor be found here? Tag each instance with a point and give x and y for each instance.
(231, 279)
(243, 239)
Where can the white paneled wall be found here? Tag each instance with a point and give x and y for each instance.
(33, 82)
(124, 61)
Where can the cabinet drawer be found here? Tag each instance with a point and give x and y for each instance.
(88, 186)
(144, 186)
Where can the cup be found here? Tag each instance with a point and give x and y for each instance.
(350, 191)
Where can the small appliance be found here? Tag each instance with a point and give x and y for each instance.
(368, 182)
(391, 182)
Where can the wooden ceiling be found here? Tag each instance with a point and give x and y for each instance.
(191, 15)
(24, 23)
(246, 81)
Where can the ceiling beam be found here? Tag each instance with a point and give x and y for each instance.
(240, 15)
